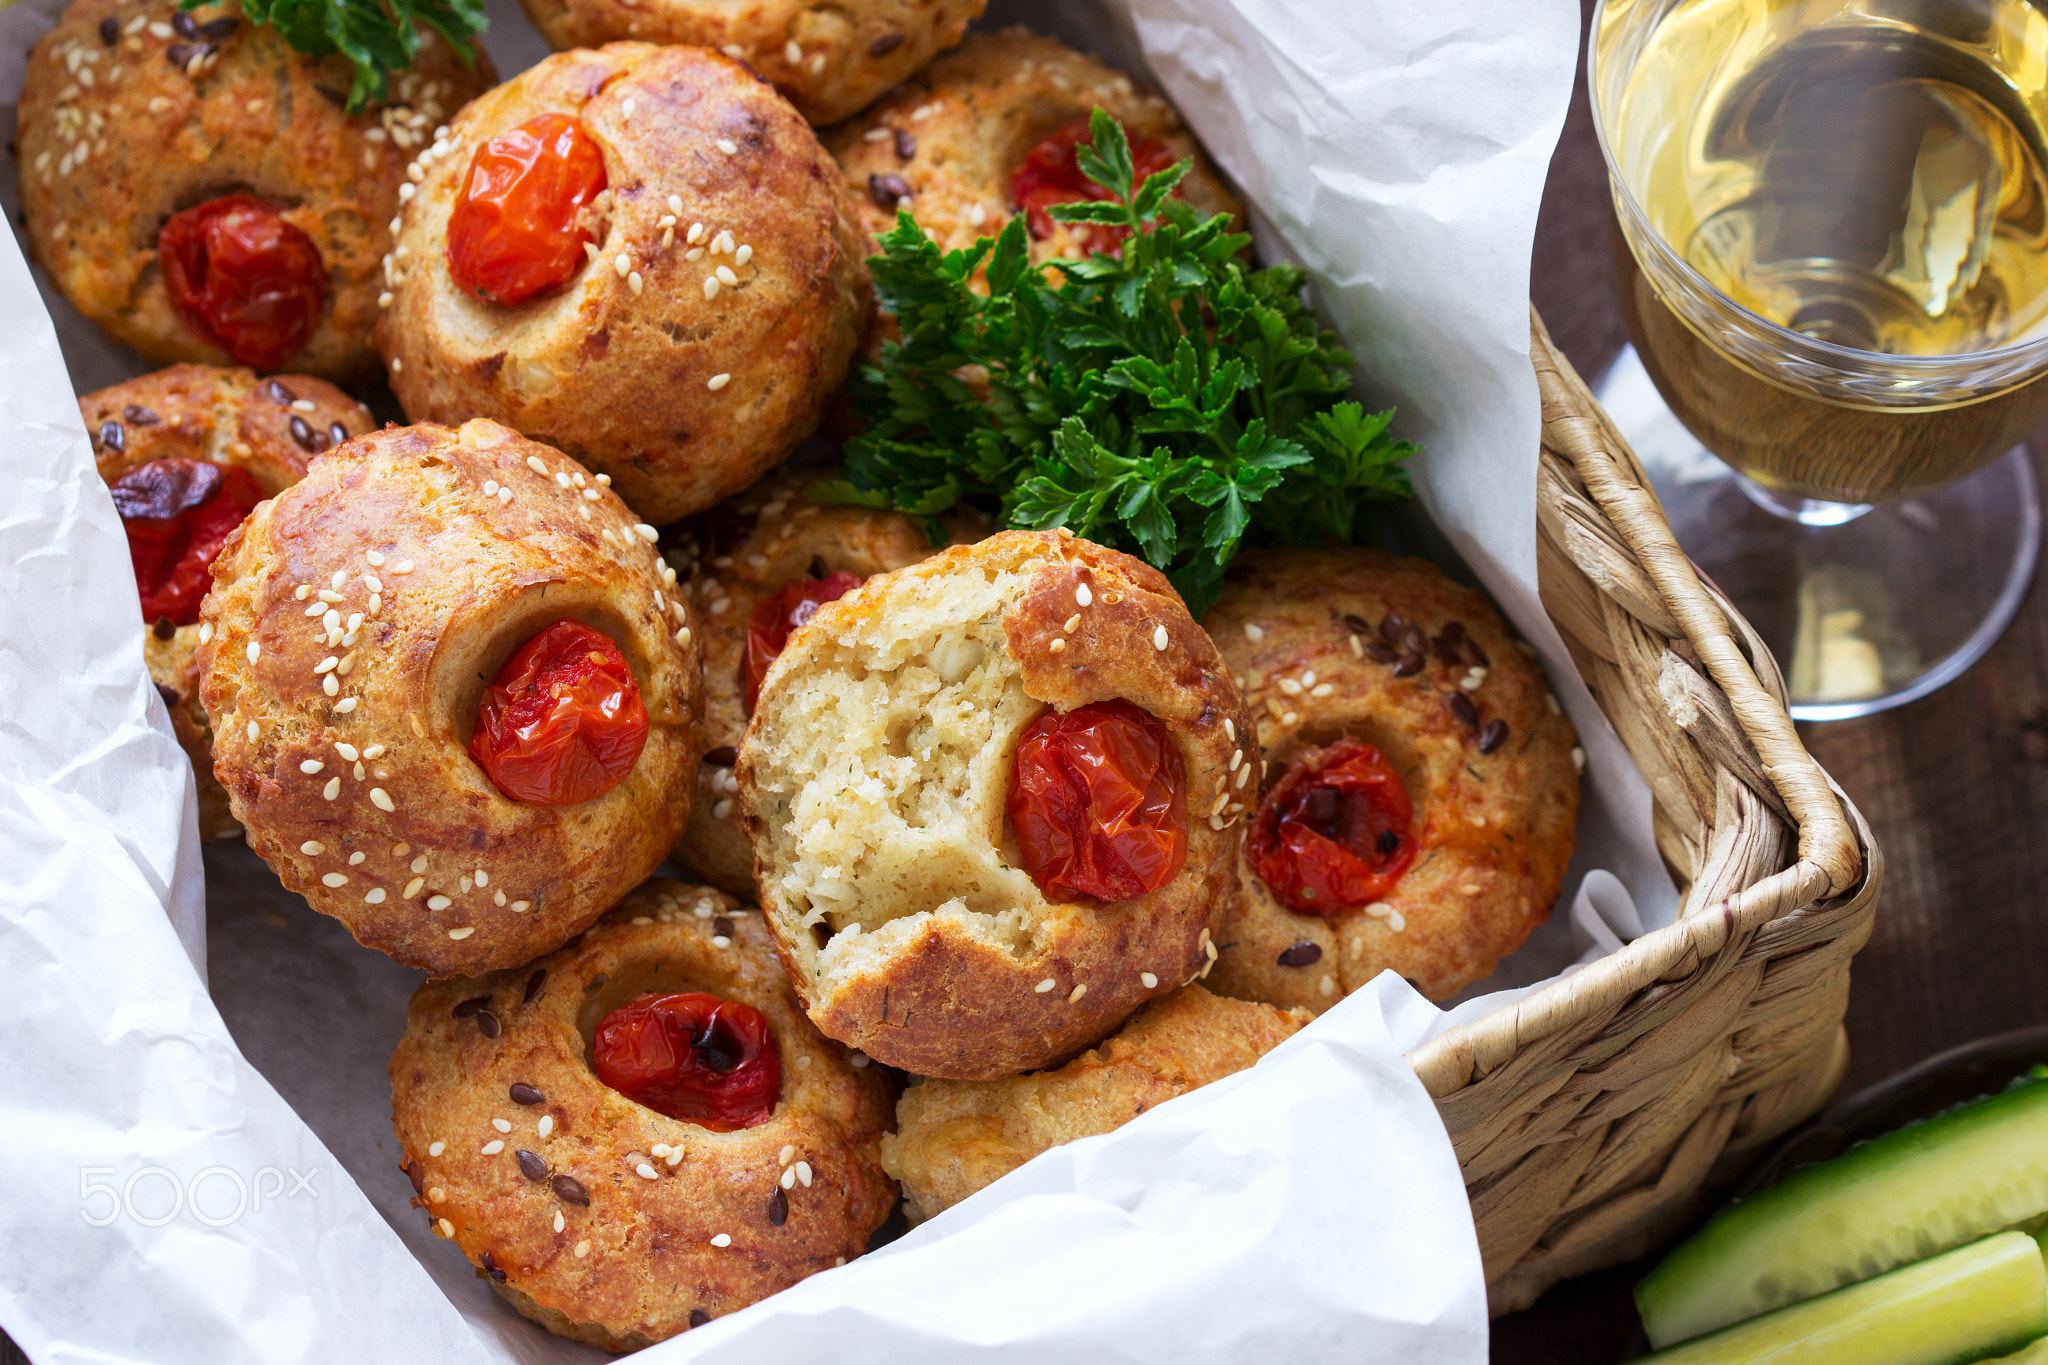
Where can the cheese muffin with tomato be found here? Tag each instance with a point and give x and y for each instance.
(640, 1132)
(196, 188)
(639, 255)
(954, 1138)
(1421, 783)
(829, 59)
(187, 452)
(989, 130)
(991, 803)
(454, 695)
(755, 568)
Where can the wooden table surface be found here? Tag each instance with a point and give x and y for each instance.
(1955, 786)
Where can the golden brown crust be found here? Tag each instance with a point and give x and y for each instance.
(829, 59)
(617, 368)
(173, 663)
(969, 120)
(631, 1265)
(256, 118)
(220, 414)
(1495, 830)
(455, 547)
(953, 1138)
(731, 557)
(916, 687)
(226, 417)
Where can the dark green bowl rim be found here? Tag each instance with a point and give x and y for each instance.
(1942, 1081)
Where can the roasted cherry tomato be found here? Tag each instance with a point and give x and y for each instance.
(244, 278)
(1098, 802)
(1333, 834)
(177, 513)
(518, 228)
(776, 616)
(562, 722)
(1052, 175)
(692, 1057)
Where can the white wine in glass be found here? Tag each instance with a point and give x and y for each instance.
(1832, 252)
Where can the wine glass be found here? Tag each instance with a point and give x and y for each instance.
(1831, 243)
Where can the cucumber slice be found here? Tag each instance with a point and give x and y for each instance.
(1967, 1304)
(1903, 1197)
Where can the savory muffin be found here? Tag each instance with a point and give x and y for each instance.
(195, 187)
(990, 798)
(639, 255)
(187, 452)
(454, 698)
(640, 1132)
(1421, 785)
(989, 130)
(830, 60)
(953, 1138)
(756, 567)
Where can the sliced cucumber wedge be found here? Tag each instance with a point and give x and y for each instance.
(1901, 1198)
(1969, 1304)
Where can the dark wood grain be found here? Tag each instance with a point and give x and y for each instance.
(1955, 787)
(1570, 276)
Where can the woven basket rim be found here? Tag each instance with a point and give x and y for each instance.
(1836, 857)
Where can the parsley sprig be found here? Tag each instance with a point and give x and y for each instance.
(1165, 400)
(377, 36)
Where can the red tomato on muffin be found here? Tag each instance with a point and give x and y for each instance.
(177, 514)
(244, 278)
(518, 228)
(1097, 800)
(693, 1057)
(782, 612)
(1333, 833)
(1052, 175)
(563, 721)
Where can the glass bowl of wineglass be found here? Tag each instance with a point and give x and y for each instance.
(1831, 244)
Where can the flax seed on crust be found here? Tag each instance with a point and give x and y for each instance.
(600, 1219)
(951, 136)
(1427, 672)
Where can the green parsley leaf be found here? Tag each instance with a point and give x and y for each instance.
(377, 36)
(1165, 400)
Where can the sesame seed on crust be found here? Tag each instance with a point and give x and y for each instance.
(809, 293)
(395, 746)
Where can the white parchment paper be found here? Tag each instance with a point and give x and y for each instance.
(212, 1178)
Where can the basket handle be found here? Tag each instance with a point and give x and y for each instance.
(1575, 424)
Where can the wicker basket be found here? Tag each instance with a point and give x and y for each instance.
(1592, 1119)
